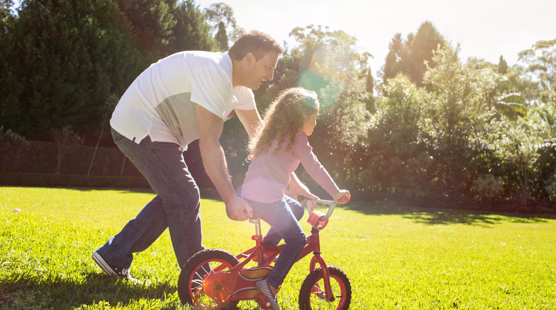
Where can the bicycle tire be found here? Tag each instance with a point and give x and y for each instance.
(311, 295)
(194, 266)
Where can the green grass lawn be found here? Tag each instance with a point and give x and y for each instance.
(395, 257)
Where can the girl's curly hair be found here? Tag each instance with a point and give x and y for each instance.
(284, 119)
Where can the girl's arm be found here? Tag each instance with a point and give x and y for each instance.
(304, 152)
(296, 188)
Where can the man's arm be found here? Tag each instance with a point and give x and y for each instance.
(210, 129)
(251, 120)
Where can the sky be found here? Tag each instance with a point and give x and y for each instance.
(484, 29)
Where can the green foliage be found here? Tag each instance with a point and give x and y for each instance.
(326, 62)
(62, 61)
(550, 187)
(488, 186)
(453, 138)
(541, 123)
(191, 30)
(459, 120)
(539, 72)
(71, 180)
(13, 150)
(412, 56)
(40, 157)
(542, 120)
(502, 66)
(151, 23)
(5, 8)
(330, 65)
(394, 256)
(224, 27)
(434, 136)
(394, 159)
(221, 37)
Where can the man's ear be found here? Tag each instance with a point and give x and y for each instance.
(249, 59)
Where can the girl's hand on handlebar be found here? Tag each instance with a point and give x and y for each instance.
(342, 197)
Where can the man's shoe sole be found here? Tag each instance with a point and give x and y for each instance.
(103, 264)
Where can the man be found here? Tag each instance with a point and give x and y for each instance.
(179, 99)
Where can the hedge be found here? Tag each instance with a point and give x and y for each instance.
(70, 180)
(42, 157)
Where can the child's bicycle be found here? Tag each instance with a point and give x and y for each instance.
(216, 279)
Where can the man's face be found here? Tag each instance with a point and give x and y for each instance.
(262, 70)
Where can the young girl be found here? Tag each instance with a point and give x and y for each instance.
(276, 151)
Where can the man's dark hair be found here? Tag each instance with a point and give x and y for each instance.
(255, 42)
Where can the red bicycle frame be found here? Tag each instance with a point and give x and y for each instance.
(318, 220)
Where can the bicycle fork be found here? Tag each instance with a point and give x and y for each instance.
(317, 258)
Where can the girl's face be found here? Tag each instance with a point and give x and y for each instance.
(310, 122)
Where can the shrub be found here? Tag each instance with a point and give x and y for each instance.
(488, 186)
(13, 150)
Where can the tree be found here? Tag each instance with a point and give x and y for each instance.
(369, 88)
(457, 119)
(518, 146)
(191, 30)
(5, 7)
(63, 59)
(397, 50)
(538, 75)
(394, 159)
(221, 37)
(222, 15)
(330, 65)
(411, 57)
(502, 66)
(151, 23)
(541, 123)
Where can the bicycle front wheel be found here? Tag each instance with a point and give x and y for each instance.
(313, 297)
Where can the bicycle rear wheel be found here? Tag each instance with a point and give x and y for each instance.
(194, 272)
(312, 295)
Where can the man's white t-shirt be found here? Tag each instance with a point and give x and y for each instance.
(160, 103)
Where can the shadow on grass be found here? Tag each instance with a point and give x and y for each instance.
(68, 293)
(435, 216)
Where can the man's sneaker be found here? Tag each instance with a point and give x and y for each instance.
(264, 288)
(121, 273)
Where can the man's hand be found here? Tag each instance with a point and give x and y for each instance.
(296, 188)
(239, 209)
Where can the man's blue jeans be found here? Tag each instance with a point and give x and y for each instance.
(283, 217)
(176, 205)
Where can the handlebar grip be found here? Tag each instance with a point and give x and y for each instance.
(344, 199)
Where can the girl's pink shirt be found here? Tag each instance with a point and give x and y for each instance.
(268, 175)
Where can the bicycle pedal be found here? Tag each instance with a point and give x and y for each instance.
(263, 302)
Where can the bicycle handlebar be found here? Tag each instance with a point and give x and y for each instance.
(330, 209)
